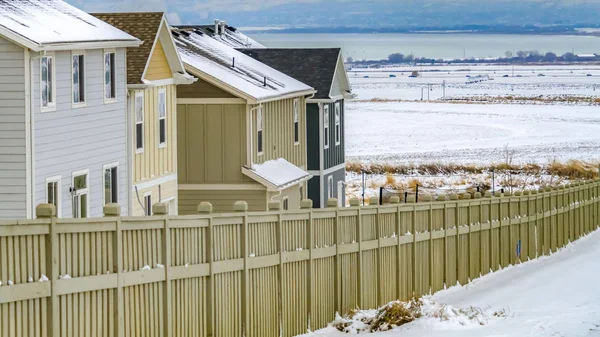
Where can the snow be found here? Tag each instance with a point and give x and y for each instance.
(160, 266)
(550, 296)
(53, 21)
(44, 278)
(65, 277)
(146, 267)
(279, 173)
(237, 39)
(216, 60)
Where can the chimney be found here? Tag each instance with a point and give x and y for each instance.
(217, 22)
(223, 24)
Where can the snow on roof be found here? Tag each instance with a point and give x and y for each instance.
(277, 174)
(47, 22)
(231, 36)
(224, 64)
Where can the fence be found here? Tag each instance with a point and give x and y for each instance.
(264, 274)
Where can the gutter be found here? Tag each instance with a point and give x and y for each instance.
(286, 96)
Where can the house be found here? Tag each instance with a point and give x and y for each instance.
(241, 129)
(153, 72)
(226, 34)
(63, 103)
(324, 70)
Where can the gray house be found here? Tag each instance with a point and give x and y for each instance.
(63, 121)
(322, 69)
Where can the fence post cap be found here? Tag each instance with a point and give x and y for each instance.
(561, 187)
(453, 196)
(111, 210)
(441, 198)
(526, 192)
(45, 211)
(306, 204)
(160, 208)
(204, 207)
(517, 193)
(240, 206)
(411, 199)
(477, 195)
(487, 194)
(533, 192)
(373, 201)
(508, 194)
(332, 203)
(466, 196)
(274, 206)
(426, 198)
(549, 189)
(354, 202)
(498, 194)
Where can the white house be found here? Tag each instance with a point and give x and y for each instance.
(63, 120)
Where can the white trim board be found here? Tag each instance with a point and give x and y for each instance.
(155, 182)
(221, 187)
(211, 101)
(328, 171)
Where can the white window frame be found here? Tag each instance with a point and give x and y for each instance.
(104, 168)
(338, 128)
(139, 94)
(260, 130)
(284, 201)
(162, 91)
(110, 100)
(85, 98)
(329, 187)
(172, 204)
(57, 180)
(296, 125)
(148, 208)
(51, 105)
(326, 126)
(86, 190)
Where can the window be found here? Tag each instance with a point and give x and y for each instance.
(162, 117)
(139, 122)
(259, 130)
(47, 84)
(326, 126)
(79, 192)
(78, 79)
(296, 126)
(330, 187)
(110, 89)
(286, 204)
(338, 128)
(148, 204)
(53, 193)
(111, 184)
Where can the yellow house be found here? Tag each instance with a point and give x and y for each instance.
(153, 72)
(241, 129)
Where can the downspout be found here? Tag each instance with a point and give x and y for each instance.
(251, 132)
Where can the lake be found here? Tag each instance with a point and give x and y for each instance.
(379, 46)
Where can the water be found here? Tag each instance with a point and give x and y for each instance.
(379, 46)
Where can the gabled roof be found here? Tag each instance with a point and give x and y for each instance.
(231, 36)
(234, 71)
(146, 26)
(315, 67)
(56, 25)
(276, 175)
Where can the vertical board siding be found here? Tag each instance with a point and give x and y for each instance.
(13, 196)
(82, 138)
(270, 273)
(335, 154)
(313, 136)
(155, 161)
(278, 119)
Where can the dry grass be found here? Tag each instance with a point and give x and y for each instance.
(413, 183)
(574, 169)
(389, 316)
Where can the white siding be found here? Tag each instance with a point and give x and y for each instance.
(12, 131)
(73, 139)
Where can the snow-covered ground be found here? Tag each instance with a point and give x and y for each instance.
(555, 296)
(415, 132)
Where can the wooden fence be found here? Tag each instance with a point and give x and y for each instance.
(264, 274)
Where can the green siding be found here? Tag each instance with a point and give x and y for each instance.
(222, 201)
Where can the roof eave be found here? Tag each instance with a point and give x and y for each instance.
(220, 84)
(285, 96)
(88, 45)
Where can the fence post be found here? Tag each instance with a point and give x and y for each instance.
(332, 203)
(206, 209)
(398, 250)
(48, 211)
(306, 204)
(242, 207)
(162, 210)
(114, 210)
(275, 207)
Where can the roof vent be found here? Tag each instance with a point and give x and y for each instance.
(217, 23)
(265, 81)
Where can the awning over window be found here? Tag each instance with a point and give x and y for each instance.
(277, 175)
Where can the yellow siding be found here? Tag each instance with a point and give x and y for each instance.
(278, 138)
(159, 68)
(222, 201)
(156, 162)
(202, 89)
(212, 143)
(168, 191)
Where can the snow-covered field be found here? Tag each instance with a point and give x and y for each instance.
(555, 296)
(411, 131)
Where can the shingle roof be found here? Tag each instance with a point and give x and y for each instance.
(47, 22)
(144, 26)
(232, 36)
(227, 65)
(315, 67)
